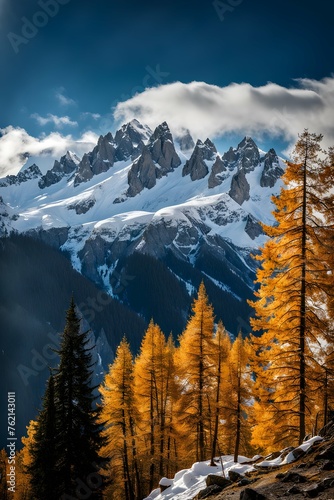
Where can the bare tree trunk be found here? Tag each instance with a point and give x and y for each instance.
(152, 465)
(238, 429)
(138, 493)
(302, 328)
(200, 400)
(215, 432)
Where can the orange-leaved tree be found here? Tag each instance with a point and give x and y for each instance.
(118, 415)
(290, 302)
(195, 371)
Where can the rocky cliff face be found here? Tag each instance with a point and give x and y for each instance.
(248, 155)
(240, 188)
(143, 174)
(64, 167)
(161, 147)
(196, 166)
(218, 173)
(129, 140)
(99, 160)
(128, 143)
(156, 160)
(271, 169)
(32, 172)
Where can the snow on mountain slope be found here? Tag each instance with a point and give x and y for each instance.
(138, 191)
(54, 204)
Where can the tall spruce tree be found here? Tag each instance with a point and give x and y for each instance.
(77, 433)
(42, 449)
(290, 306)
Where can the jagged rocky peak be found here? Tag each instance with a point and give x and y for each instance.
(104, 151)
(65, 166)
(84, 172)
(130, 139)
(32, 172)
(253, 227)
(99, 160)
(143, 173)
(161, 147)
(240, 188)
(272, 170)
(185, 141)
(230, 157)
(135, 131)
(217, 175)
(161, 132)
(209, 150)
(156, 160)
(196, 166)
(249, 155)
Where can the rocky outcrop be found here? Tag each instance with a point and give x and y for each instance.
(239, 191)
(85, 172)
(271, 169)
(219, 480)
(82, 207)
(130, 139)
(156, 160)
(162, 149)
(7, 215)
(218, 173)
(229, 158)
(142, 174)
(32, 172)
(248, 155)
(196, 166)
(65, 166)
(250, 494)
(97, 161)
(253, 228)
(137, 150)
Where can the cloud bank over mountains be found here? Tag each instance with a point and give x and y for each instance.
(206, 110)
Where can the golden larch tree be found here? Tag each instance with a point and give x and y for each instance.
(195, 372)
(118, 415)
(290, 302)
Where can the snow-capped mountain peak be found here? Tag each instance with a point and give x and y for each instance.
(126, 197)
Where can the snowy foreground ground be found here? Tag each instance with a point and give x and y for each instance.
(188, 482)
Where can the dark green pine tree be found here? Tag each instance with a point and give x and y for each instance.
(42, 468)
(78, 437)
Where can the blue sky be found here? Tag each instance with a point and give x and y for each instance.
(68, 76)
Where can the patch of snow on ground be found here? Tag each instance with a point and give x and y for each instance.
(188, 482)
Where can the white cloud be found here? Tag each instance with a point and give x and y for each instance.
(63, 99)
(15, 143)
(88, 114)
(212, 111)
(58, 121)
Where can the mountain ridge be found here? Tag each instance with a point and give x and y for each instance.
(141, 192)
